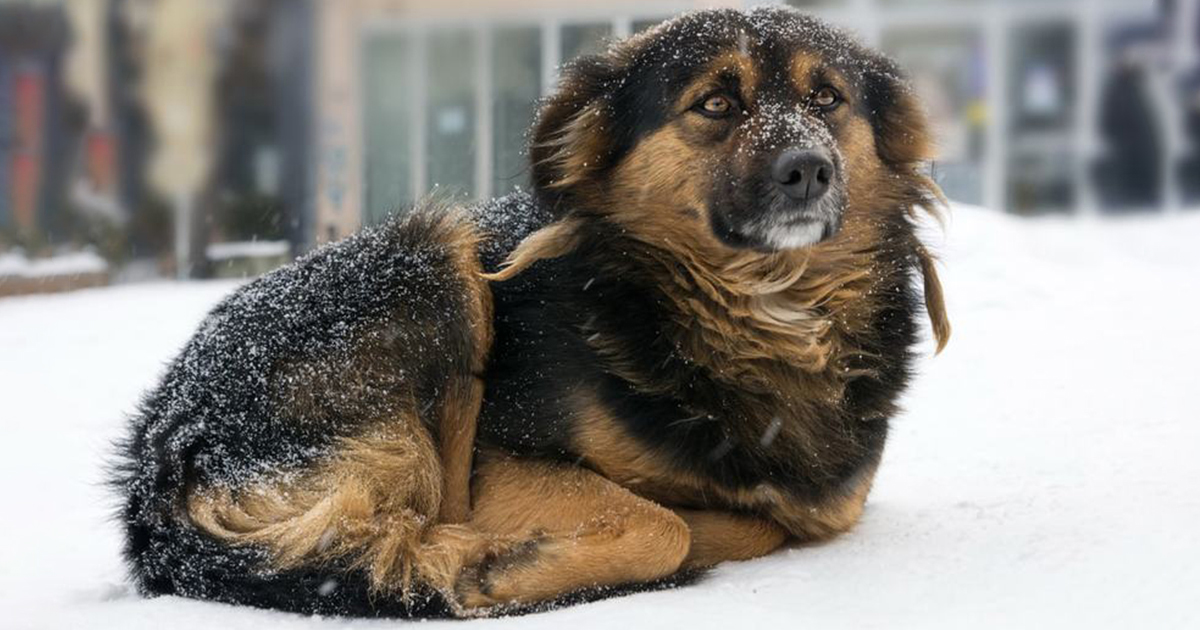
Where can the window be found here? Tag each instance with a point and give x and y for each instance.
(1041, 67)
(516, 79)
(450, 121)
(1041, 160)
(387, 125)
(945, 65)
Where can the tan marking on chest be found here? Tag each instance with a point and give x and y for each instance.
(615, 454)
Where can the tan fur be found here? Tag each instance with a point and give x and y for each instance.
(460, 408)
(551, 241)
(456, 445)
(582, 530)
(857, 142)
(370, 502)
(804, 65)
(733, 62)
(935, 303)
(913, 146)
(722, 536)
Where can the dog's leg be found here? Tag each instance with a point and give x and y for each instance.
(721, 536)
(581, 530)
(456, 447)
(459, 412)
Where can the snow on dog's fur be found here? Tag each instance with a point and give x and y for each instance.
(683, 348)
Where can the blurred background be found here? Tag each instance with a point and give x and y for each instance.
(142, 139)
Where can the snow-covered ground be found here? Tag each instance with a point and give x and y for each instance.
(15, 264)
(1046, 474)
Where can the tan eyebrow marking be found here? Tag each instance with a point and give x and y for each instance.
(732, 61)
(806, 66)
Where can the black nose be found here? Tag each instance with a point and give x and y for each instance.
(803, 174)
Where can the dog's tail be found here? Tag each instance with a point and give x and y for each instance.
(168, 555)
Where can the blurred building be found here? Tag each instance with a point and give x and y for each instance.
(1046, 105)
(35, 126)
(204, 102)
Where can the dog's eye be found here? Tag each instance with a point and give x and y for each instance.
(826, 98)
(716, 106)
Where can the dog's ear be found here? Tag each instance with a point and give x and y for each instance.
(573, 141)
(902, 135)
(903, 141)
(935, 301)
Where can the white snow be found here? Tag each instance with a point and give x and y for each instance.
(247, 249)
(1045, 475)
(15, 263)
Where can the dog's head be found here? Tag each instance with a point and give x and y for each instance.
(759, 131)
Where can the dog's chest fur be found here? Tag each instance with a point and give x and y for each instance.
(775, 400)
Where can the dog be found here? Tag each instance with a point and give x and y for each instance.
(682, 347)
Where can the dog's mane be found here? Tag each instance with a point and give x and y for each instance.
(739, 312)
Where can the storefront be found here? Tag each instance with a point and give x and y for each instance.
(414, 102)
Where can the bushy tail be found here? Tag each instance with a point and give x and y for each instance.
(167, 555)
